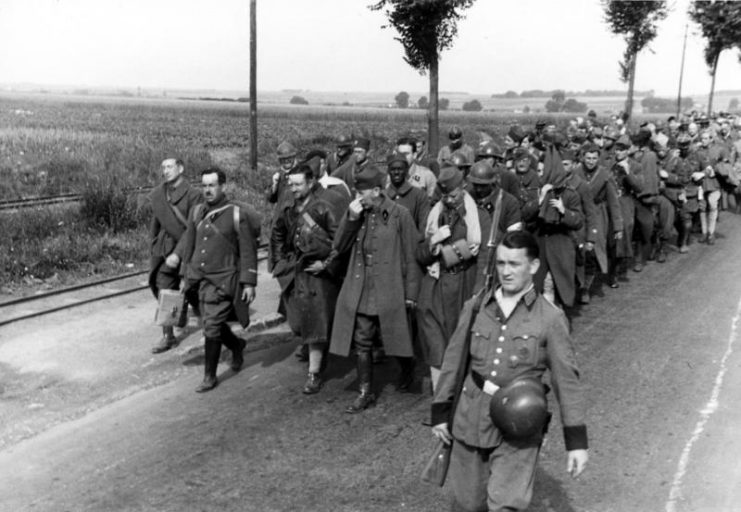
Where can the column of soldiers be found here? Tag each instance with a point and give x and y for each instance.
(394, 254)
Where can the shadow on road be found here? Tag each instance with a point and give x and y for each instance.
(549, 495)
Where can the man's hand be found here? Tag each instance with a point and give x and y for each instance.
(315, 267)
(589, 246)
(558, 205)
(443, 233)
(577, 461)
(248, 294)
(698, 175)
(663, 174)
(276, 179)
(172, 261)
(442, 433)
(356, 208)
(618, 235)
(543, 191)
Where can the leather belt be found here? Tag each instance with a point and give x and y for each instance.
(483, 383)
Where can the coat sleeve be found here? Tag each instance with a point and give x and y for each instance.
(247, 251)
(187, 242)
(573, 217)
(409, 241)
(591, 213)
(278, 236)
(613, 206)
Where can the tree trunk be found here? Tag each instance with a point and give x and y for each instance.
(433, 112)
(712, 84)
(631, 83)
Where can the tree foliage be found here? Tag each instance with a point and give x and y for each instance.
(444, 103)
(298, 100)
(425, 27)
(473, 106)
(656, 105)
(733, 104)
(422, 102)
(720, 25)
(402, 99)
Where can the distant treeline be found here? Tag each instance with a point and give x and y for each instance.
(539, 93)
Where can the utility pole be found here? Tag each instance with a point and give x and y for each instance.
(681, 73)
(253, 85)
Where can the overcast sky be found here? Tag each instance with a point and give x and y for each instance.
(334, 45)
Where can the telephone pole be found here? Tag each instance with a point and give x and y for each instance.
(253, 85)
(681, 73)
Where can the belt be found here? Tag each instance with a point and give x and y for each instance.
(483, 383)
(458, 268)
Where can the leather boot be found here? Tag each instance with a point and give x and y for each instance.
(366, 398)
(313, 384)
(212, 351)
(660, 252)
(406, 375)
(167, 341)
(236, 345)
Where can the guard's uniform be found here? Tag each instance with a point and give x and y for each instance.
(413, 199)
(485, 469)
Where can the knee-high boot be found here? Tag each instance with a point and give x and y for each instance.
(366, 398)
(212, 352)
(236, 345)
(406, 375)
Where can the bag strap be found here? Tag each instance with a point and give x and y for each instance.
(235, 218)
(178, 214)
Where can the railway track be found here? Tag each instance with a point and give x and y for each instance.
(32, 306)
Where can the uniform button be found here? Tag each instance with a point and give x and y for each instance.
(499, 350)
(494, 374)
(203, 251)
(504, 327)
(501, 338)
(203, 264)
(496, 361)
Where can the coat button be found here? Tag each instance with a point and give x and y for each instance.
(494, 373)
(501, 338)
(504, 327)
(496, 361)
(499, 350)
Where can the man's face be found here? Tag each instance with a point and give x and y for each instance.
(509, 142)
(568, 165)
(621, 153)
(482, 190)
(287, 163)
(407, 151)
(515, 269)
(522, 165)
(599, 140)
(590, 160)
(368, 197)
(360, 154)
(299, 185)
(725, 128)
(705, 139)
(344, 150)
(608, 143)
(398, 174)
(212, 190)
(171, 171)
(453, 197)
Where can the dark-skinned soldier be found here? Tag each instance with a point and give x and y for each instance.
(403, 193)
(494, 156)
(484, 187)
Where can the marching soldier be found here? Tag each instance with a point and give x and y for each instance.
(341, 155)
(219, 256)
(172, 202)
(355, 164)
(403, 193)
(456, 144)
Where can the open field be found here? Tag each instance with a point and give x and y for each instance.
(97, 146)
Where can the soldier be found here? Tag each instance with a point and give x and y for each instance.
(628, 187)
(494, 156)
(453, 234)
(529, 185)
(403, 193)
(456, 144)
(420, 177)
(608, 221)
(484, 188)
(301, 239)
(172, 202)
(287, 159)
(359, 161)
(712, 156)
(342, 154)
(516, 334)
(381, 283)
(219, 256)
(683, 175)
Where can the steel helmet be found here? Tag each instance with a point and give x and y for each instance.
(455, 133)
(459, 160)
(345, 140)
(489, 149)
(520, 409)
(481, 173)
(286, 150)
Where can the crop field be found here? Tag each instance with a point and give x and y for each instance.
(97, 146)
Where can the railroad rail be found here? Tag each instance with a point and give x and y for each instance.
(33, 306)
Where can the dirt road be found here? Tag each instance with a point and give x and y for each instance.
(660, 357)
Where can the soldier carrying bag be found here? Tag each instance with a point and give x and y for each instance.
(172, 309)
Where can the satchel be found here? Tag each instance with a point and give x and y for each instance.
(172, 309)
(437, 467)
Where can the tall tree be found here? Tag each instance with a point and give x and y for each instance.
(636, 21)
(425, 28)
(720, 25)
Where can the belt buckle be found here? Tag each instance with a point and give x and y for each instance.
(489, 387)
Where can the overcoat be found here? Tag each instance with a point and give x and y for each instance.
(394, 239)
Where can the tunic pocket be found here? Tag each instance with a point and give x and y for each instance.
(525, 351)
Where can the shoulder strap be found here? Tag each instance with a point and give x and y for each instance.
(178, 214)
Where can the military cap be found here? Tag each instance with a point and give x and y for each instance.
(481, 173)
(344, 140)
(520, 153)
(450, 177)
(315, 153)
(286, 150)
(597, 132)
(611, 133)
(458, 159)
(683, 140)
(455, 133)
(362, 142)
(568, 155)
(369, 177)
(623, 141)
(397, 158)
(590, 147)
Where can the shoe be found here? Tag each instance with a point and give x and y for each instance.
(208, 384)
(711, 239)
(164, 344)
(684, 249)
(313, 384)
(238, 356)
(661, 256)
(584, 296)
(364, 400)
(612, 281)
(703, 239)
(638, 267)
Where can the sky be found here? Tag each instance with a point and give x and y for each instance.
(336, 45)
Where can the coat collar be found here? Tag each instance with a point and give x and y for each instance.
(403, 190)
